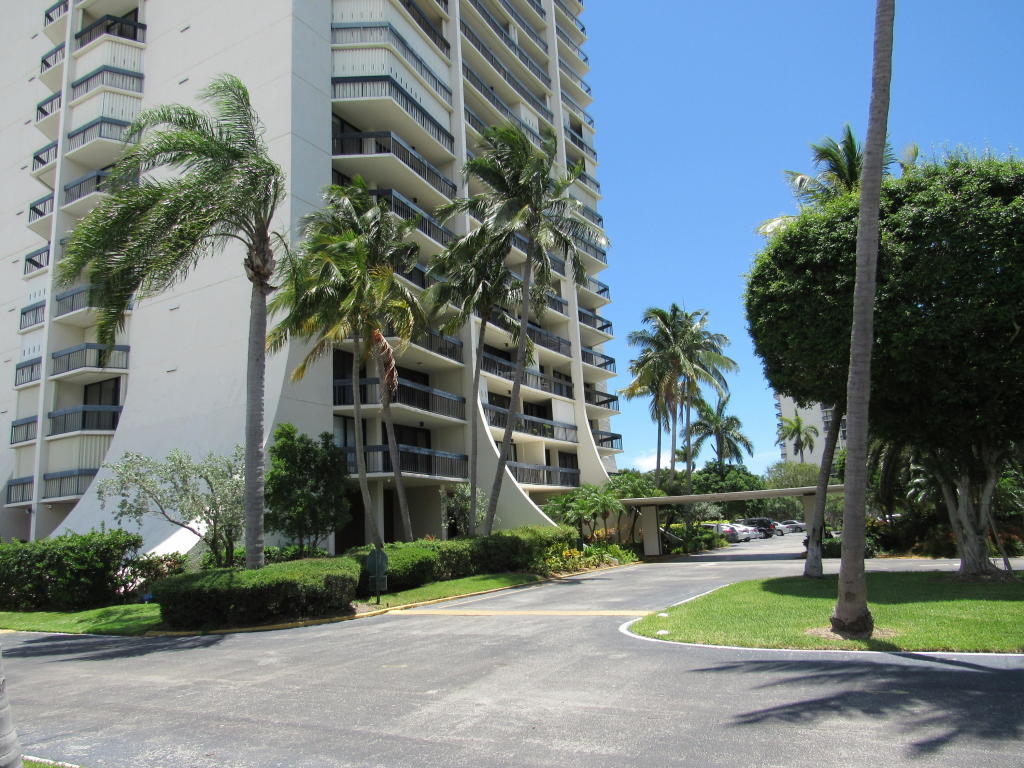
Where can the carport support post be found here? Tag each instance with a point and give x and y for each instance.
(652, 536)
(808, 502)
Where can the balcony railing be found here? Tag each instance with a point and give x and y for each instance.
(420, 276)
(532, 33)
(539, 474)
(40, 208)
(89, 356)
(73, 482)
(531, 425)
(589, 181)
(550, 340)
(404, 208)
(424, 23)
(44, 156)
(505, 73)
(475, 121)
(557, 264)
(504, 368)
(100, 128)
(19, 490)
(595, 321)
(84, 186)
(28, 371)
(38, 259)
(23, 430)
(82, 418)
(576, 109)
(607, 439)
(413, 460)
(51, 59)
(511, 44)
(503, 109)
(33, 314)
(70, 301)
(572, 46)
(382, 32)
(535, 5)
(388, 143)
(596, 286)
(557, 303)
(592, 249)
(378, 86)
(601, 399)
(598, 359)
(572, 16)
(54, 12)
(589, 213)
(48, 106)
(579, 142)
(107, 76)
(408, 393)
(110, 25)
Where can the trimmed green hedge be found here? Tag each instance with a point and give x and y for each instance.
(226, 597)
(834, 548)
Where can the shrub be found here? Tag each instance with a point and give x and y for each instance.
(612, 551)
(67, 573)
(694, 540)
(145, 570)
(226, 597)
(834, 548)
(455, 558)
(410, 565)
(270, 555)
(522, 549)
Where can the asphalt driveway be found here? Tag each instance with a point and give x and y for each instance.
(536, 676)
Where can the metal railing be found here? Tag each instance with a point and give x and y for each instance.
(423, 22)
(595, 321)
(51, 58)
(376, 86)
(557, 303)
(503, 109)
(420, 276)
(575, 108)
(596, 286)
(607, 439)
(388, 143)
(19, 490)
(506, 370)
(574, 77)
(601, 399)
(506, 75)
(589, 213)
(73, 482)
(89, 356)
(84, 186)
(110, 25)
(539, 474)
(532, 33)
(38, 259)
(408, 393)
(591, 249)
(48, 106)
(557, 264)
(100, 128)
(475, 121)
(589, 181)
(28, 371)
(511, 44)
(564, 37)
(579, 143)
(44, 156)
(531, 425)
(23, 430)
(40, 208)
(71, 301)
(549, 340)
(413, 460)
(598, 359)
(441, 344)
(81, 418)
(404, 208)
(112, 77)
(33, 314)
(572, 16)
(54, 12)
(382, 32)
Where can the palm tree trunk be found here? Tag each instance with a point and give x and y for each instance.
(816, 525)
(851, 613)
(10, 750)
(255, 375)
(657, 460)
(474, 431)
(396, 462)
(689, 450)
(370, 519)
(514, 405)
(672, 452)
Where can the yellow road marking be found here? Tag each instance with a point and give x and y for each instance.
(484, 612)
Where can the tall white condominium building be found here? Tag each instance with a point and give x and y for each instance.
(815, 415)
(396, 91)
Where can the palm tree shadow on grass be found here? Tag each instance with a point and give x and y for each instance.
(896, 587)
(932, 706)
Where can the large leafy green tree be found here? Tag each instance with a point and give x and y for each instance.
(523, 200)
(722, 430)
(149, 232)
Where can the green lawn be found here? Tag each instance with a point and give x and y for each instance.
(913, 612)
(136, 619)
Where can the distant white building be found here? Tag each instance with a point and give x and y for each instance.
(815, 415)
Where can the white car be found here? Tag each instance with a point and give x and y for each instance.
(745, 532)
(793, 526)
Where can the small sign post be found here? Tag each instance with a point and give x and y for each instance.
(377, 571)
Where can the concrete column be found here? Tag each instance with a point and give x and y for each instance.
(808, 502)
(652, 536)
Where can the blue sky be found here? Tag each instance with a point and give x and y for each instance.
(700, 106)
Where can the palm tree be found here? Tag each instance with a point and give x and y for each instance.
(851, 613)
(722, 430)
(800, 433)
(648, 381)
(342, 284)
(523, 200)
(148, 234)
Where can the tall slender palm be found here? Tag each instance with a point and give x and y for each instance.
(149, 233)
(722, 430)
(523, 199)
(342, 284)
(648, 382)
(799, 432)
(851, 614)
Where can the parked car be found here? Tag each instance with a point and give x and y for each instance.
(765, 526)
(726, 531)
(746, 532)
(793, 526)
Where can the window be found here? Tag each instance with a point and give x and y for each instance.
(568, 460)
(106, 392)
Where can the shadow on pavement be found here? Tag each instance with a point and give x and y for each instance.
(737, 556)
(95, 648)
(934, 705)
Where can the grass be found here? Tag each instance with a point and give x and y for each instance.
(912, 611)
(137, 619)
